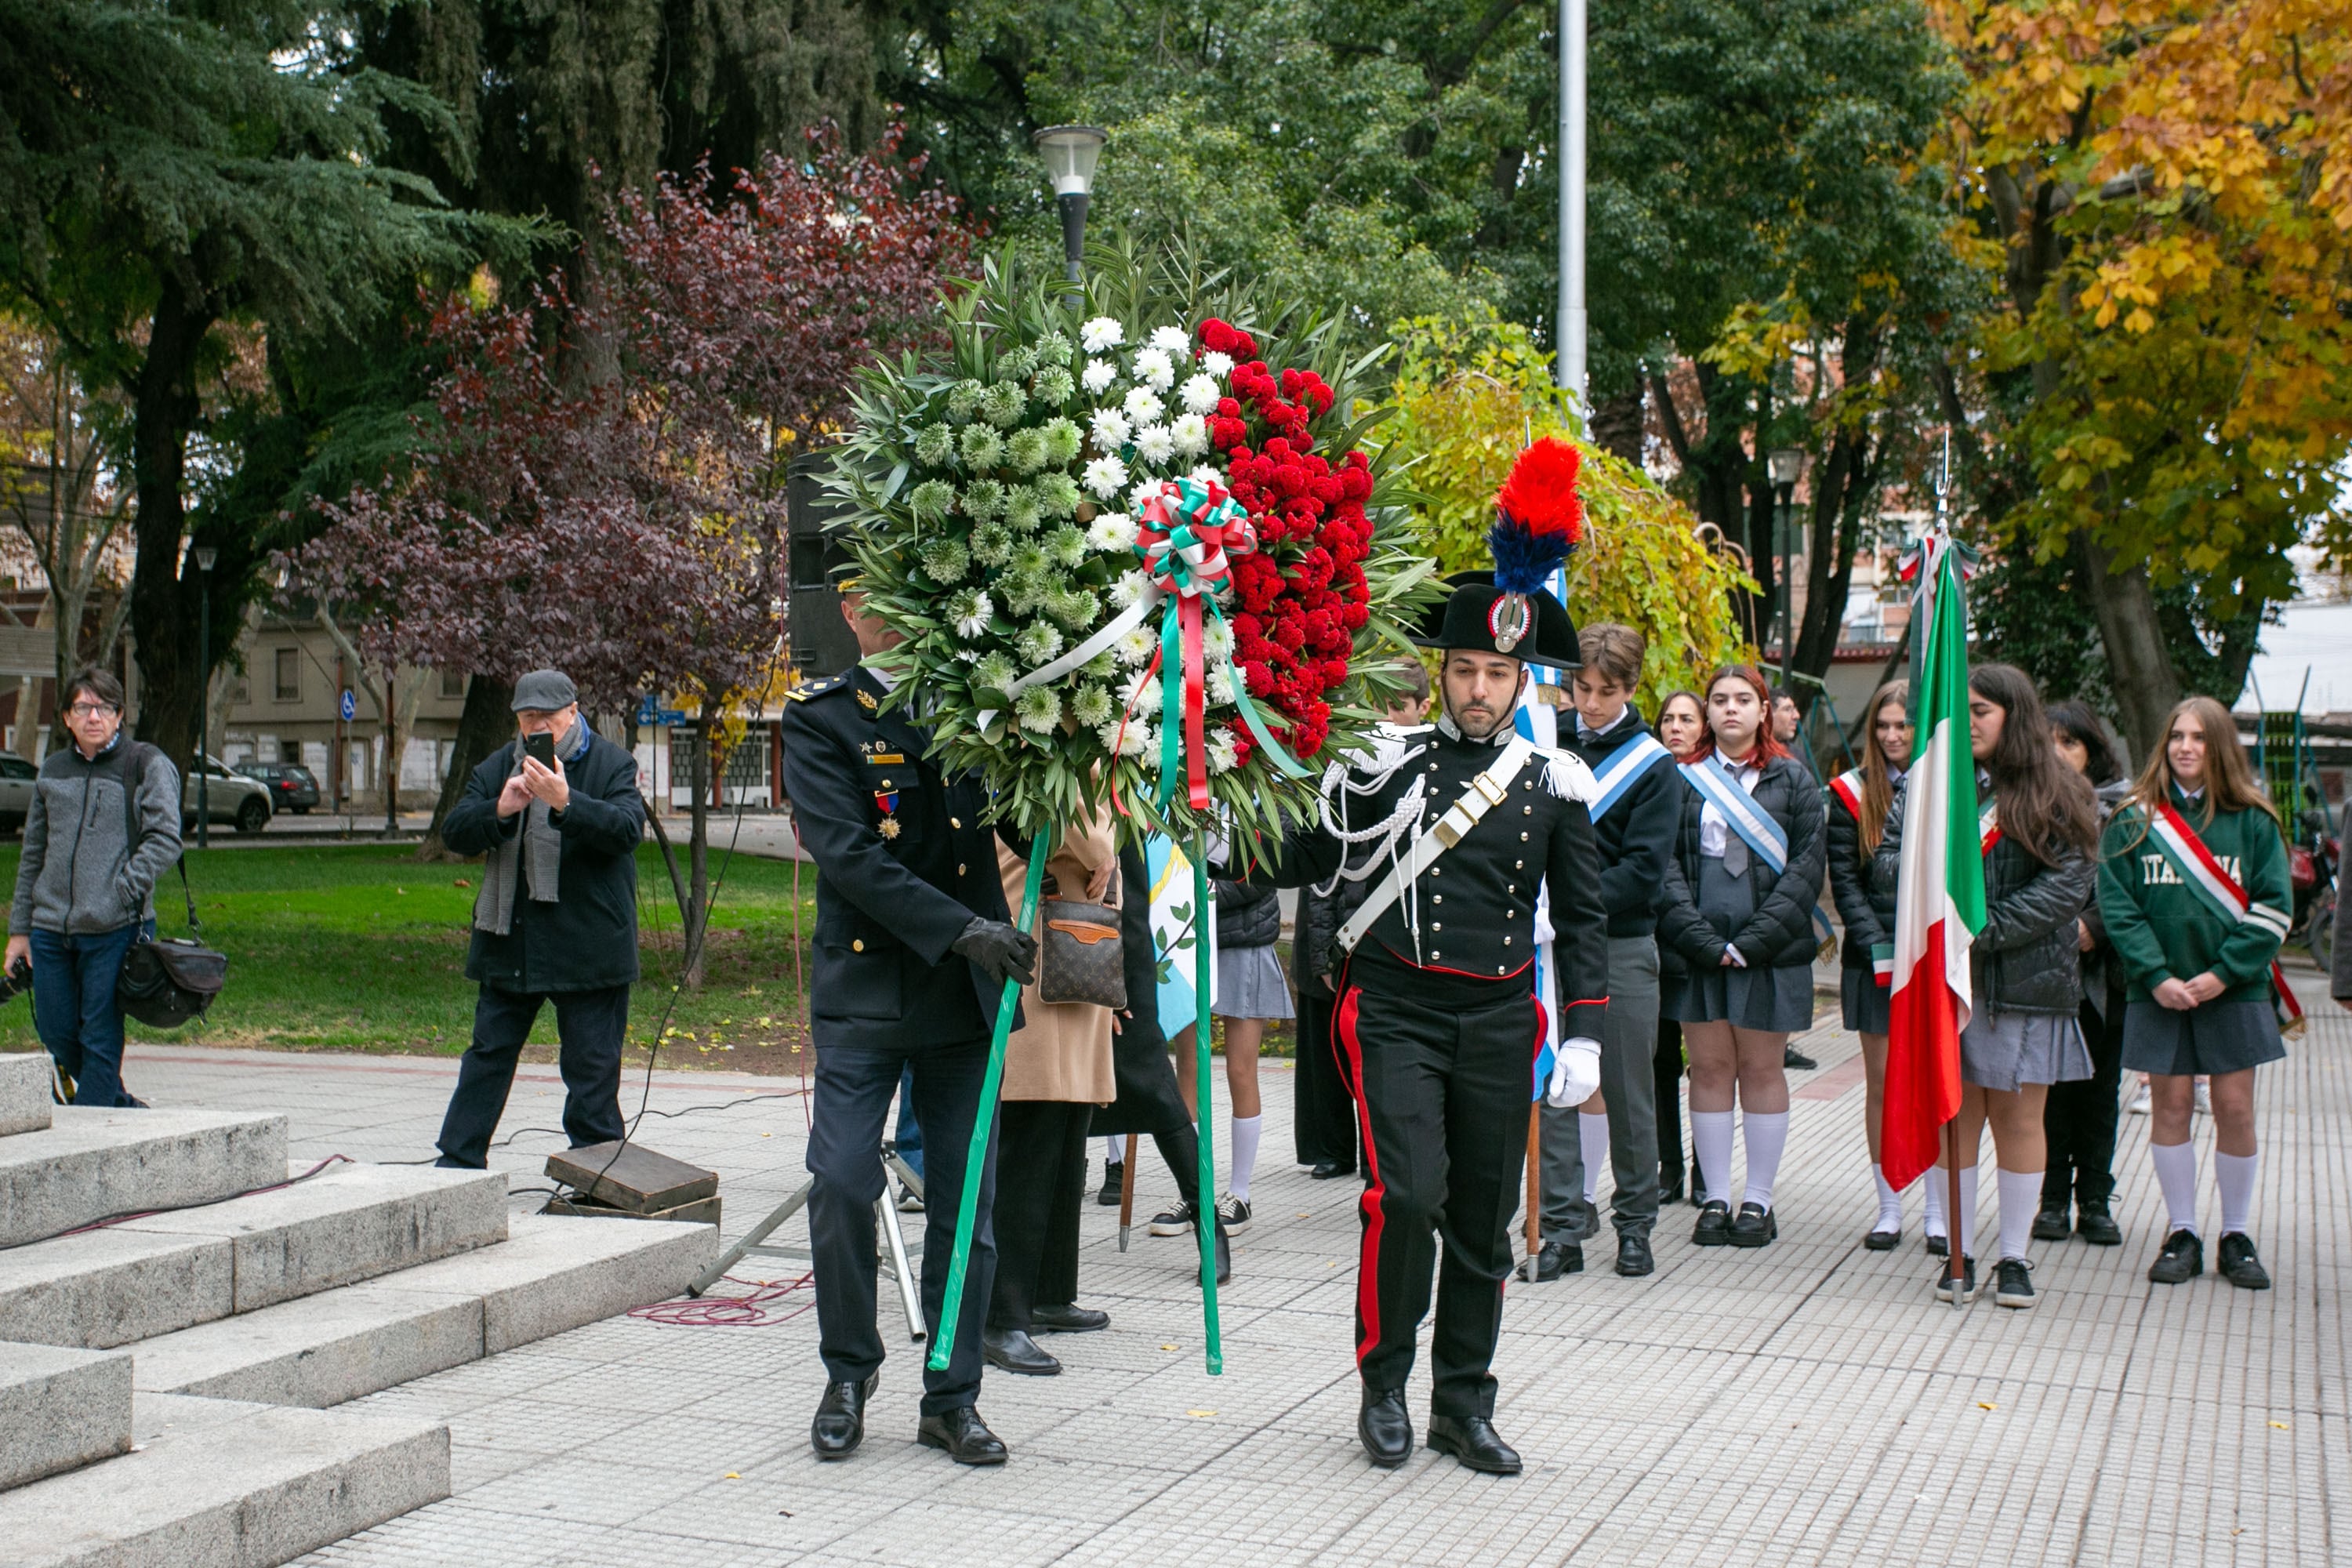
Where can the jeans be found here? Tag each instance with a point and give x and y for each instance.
(74, 1010)
(591, 1025)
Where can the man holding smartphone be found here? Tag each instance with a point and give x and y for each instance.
(557, 818)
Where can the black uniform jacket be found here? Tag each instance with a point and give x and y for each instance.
(1472, 914)
(1637, 834)
(587, 939)
(1865, 900)
(905, 859)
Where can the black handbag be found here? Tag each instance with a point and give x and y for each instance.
(164, 982)
(1081, 957)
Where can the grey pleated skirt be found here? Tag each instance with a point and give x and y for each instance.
(2220, 1036)
(2009, 1050)
(1761, 996)
(1250, 985)
(1864, 1001)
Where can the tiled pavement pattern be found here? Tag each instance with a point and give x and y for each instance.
(1806, 1404)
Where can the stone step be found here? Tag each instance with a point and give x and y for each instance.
(23, 1093)
(60, 1409)
(168, 1271)
(550, 1274)
(217, 1483)
(91, 1164)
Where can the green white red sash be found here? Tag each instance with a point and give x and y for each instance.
(2196, 865)
(1987, 828)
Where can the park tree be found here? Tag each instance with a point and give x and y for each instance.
(2161, 197)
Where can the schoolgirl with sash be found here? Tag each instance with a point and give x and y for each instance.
(1859, 802)
(2038, 833)
(2194, 886)
(1682, 730)
(1739, 904)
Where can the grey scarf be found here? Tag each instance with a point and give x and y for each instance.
(536, 851)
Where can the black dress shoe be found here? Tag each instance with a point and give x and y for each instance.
(1796, 1060)
(1011, 1350)
(840, 1423)
(1936, 1246)
(1714, 1227)
(1066, 1320)
(1634, 1258)
(1384, 1429)
(2240, 1264)
(1473, 1440)
(1224, 1257)
(2052, 1223)
(1554, 1258)
(2182, 1259)
(1326, 1170)
(1113, 1174)
(1755, 1226)
(963, 1435)
(2094, 1224)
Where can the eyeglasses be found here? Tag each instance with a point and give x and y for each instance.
(91, 710)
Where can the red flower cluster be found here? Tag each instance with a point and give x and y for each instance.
(1301, 599)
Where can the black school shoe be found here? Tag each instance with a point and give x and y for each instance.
(1555, 1258)
(1112, 1176)
(1714, 1227)
(1884, 1240)
(2052, 1223)
(2182, 1259)
(2012, 1283)
(2240, 1265)
(1755, 1226)
(2094, 1224)
(1937, 1245)
(1634, 1258)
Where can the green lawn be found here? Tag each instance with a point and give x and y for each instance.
(364, 947)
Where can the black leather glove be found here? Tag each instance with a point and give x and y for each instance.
(998, 951)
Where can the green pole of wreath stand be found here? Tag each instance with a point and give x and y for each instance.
(1200, 1025)
(943, 1333)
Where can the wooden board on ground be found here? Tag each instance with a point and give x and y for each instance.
(631, 1177)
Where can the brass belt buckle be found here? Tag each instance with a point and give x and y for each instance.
(1495, 793)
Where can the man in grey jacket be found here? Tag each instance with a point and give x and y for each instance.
(103, 826)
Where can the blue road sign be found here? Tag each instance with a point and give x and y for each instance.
(350, 707)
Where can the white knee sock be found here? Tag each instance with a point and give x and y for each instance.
(2021, 1198)
(1967, 1227)
(2234, 1175)
(1935, 1183)
(1711, 1141)
(1890, 1202)
(1592, 1132)
(1246, 1131)
(2176, 1172)
(1114, 1149)
(1767, 1135)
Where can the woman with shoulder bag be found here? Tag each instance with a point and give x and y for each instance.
(2194, 886)
(2037, 828)
(1738, 908)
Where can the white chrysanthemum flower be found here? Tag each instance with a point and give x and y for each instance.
(1143, 405)
(1102, 333)
(1200, 394)
(1155, 369)
(1097, 377)
(1206, 474)
(1126, 738)
(1140, 492)
(1135, 647)
(1038, 643)
(1171, 340)
(1111, 430)
(1220, 365)
(1039, 709)
(1155, 443)
(1106, 476)
(1224, 756)
(1192, 434)
(1127, 591)
(973, 621)
(1221, 685)
(1092, 706)
(1111, 531)
(1217, 639)
(1142, 694)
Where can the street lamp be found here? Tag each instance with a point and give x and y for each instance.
(1070, 152)
(1784, 464)
(205, 555)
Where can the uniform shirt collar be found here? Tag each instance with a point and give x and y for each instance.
(1586, 732)
(880, 678)
(1453, 731)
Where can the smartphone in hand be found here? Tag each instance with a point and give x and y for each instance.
(541, 748)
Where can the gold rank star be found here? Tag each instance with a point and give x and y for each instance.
(890, 828)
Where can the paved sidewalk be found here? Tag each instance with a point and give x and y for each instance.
(1807, 1403)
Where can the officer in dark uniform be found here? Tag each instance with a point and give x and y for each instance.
(1438, 1025)
(912, 950)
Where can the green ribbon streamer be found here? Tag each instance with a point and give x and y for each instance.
(943, 1333)
(1201, 1081)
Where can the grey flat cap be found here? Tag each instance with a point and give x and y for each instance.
(544, 691)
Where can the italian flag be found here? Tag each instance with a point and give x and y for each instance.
(1940, 899)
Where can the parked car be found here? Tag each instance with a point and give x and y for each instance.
(292, 787)
(17, 776)
(229, 797)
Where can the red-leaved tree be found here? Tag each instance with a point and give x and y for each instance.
(598, 485)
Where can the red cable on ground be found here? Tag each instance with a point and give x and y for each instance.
(751, 1311)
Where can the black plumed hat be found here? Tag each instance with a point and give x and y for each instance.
(1480, 615)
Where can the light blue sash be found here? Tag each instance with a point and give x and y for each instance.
(1629, 765)
(1739, 809)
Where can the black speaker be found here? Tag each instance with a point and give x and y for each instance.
(821, 641)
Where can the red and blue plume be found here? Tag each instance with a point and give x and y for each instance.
(1538, 516)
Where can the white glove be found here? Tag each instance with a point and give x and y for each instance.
(1738, 959)
(1575, 1073)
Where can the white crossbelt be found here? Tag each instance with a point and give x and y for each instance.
(1488, 790)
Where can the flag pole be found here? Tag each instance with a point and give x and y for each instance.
(1534, 1189)
(1960, 1229)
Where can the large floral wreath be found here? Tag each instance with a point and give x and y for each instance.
(1140, 557)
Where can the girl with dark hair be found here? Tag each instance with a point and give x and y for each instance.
(2079, 1119)
(1682, 726)
(2193, 883)
(1738, 902)
(2038, 826)
(1860, 800)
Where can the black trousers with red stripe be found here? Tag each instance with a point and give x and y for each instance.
(1442, 1097)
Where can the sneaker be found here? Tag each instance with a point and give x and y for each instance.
(1113, 1174)
(2182, 1259)
(1795, 1060)
(2138, 1105)
(2204, 1097)
(908, 1203)
(1177, 1221)
(2012, 1283)
(1234, 1214)
(1943, 1281)
(2240, 1265)
(2053, 1223)
(63, 1090)
(1714, 1227)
